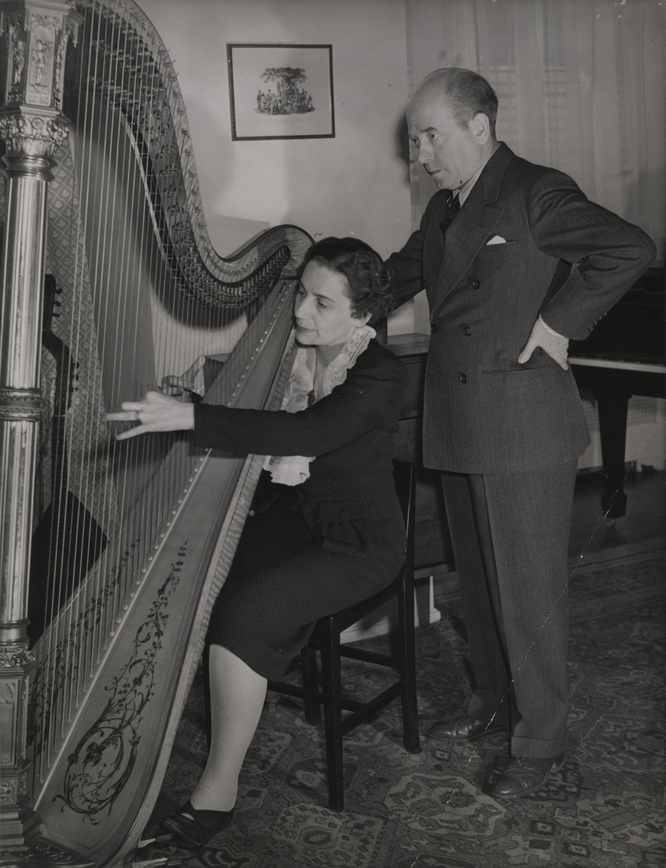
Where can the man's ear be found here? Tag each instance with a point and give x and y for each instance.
(479, 126)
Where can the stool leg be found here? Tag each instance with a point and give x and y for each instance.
(331, 688)
(206, 679)
(407, 645)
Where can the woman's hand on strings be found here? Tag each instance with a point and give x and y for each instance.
(178, 387)
(155, 412)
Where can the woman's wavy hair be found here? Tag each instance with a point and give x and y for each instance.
(367, 276)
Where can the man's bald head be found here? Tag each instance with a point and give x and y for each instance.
(464, 92)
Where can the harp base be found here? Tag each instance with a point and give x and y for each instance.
(42, 854)
(19, 826)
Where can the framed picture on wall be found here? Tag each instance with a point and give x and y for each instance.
(279, 91)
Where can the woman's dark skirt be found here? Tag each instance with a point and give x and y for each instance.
(289, 571)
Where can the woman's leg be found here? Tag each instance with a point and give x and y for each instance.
(237, 695)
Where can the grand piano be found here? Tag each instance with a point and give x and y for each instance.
(625, 355)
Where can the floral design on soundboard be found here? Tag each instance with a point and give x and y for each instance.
(102, 762)
(59, 669)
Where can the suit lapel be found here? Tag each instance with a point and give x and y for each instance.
(434, 248)
(472, 228)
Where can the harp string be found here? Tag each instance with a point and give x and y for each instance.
(61, 657)
(92, 116)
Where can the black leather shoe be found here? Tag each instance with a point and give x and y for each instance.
(464, 728)
(524, 775)
(197, 827)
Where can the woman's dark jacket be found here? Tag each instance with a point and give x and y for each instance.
(352, 433)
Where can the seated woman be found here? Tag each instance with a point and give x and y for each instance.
(325, 530)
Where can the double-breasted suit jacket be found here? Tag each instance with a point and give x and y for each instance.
(483, 411)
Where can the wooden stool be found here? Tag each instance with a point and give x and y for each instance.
(326, 640)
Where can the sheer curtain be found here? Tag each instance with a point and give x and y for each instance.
(581, 85)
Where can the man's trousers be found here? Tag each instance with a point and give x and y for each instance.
(510, 535)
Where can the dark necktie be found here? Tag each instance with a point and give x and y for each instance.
(452, 208)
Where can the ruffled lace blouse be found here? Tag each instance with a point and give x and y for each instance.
(303, 389)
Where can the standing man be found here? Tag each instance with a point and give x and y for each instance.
(527, 264)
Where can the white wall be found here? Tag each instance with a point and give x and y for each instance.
(354, 184)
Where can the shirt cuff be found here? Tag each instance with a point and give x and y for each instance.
(548, 328)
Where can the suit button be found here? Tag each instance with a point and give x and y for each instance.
(462, 377)
(474, 282)
(433, 327)
(466, 330)
(344, 516)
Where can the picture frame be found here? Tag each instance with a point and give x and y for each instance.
(280, 91)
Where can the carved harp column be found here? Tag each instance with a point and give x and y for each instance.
(34, 37)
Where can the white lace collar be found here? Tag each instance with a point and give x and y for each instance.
(302, 389)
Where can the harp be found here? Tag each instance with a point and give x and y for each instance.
(125, 545)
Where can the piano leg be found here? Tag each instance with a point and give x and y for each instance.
(612, 406)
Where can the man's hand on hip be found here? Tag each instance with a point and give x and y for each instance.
(550, 342)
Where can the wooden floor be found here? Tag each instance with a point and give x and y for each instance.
(644, 519)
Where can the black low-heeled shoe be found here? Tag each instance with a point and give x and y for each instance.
(197, 827)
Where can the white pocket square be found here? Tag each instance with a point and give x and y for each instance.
(496, 239)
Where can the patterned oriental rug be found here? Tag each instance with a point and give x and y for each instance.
(604, 809)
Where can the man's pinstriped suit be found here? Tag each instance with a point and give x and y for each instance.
(508, 435)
